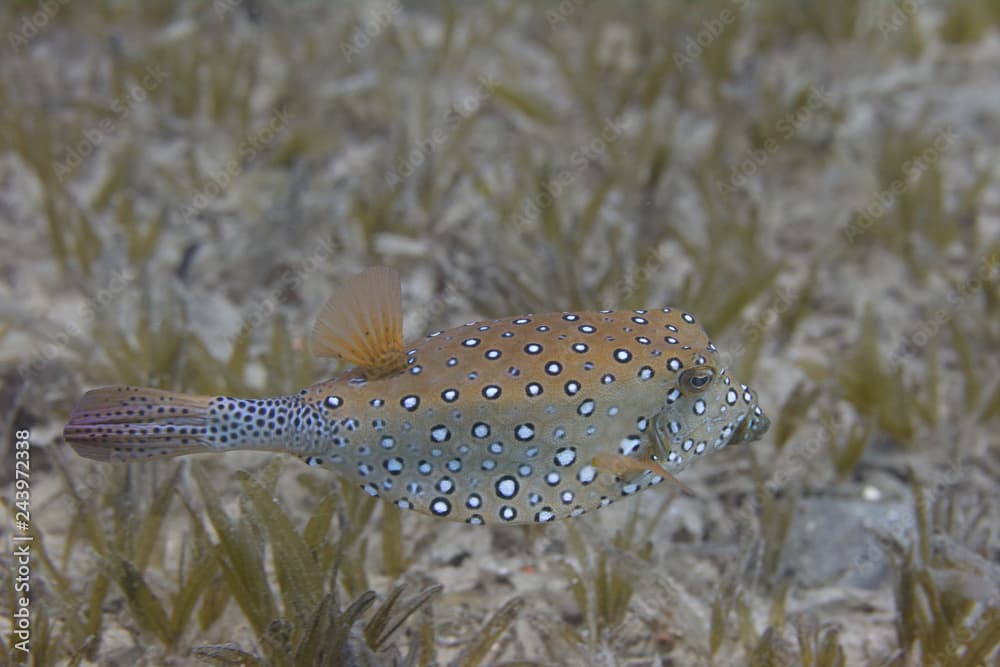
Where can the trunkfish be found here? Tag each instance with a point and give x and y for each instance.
(514, 420)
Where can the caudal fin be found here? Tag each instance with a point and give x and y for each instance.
(124, 423)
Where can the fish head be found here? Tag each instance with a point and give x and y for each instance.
(705, 410)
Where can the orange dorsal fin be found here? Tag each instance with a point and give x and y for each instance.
(362, 323)
(625, 466)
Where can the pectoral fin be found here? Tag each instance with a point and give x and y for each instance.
(627, 467)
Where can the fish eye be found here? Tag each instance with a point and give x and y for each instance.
(697, 379)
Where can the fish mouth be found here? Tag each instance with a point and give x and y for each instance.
(752, 428)
(660, 448)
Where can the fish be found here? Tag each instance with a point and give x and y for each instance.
(524, 419)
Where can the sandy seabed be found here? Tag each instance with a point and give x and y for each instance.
(818, 183)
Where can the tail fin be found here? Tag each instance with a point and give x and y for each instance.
(124, 423)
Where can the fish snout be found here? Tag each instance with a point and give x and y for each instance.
(753, 427)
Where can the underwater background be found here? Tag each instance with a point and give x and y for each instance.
(183, 184)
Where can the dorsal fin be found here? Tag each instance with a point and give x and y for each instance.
(362, 323)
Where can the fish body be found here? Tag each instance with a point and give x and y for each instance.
(515, 420)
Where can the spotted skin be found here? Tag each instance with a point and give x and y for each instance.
(499, 421)
(491, 422)
(517, 420)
